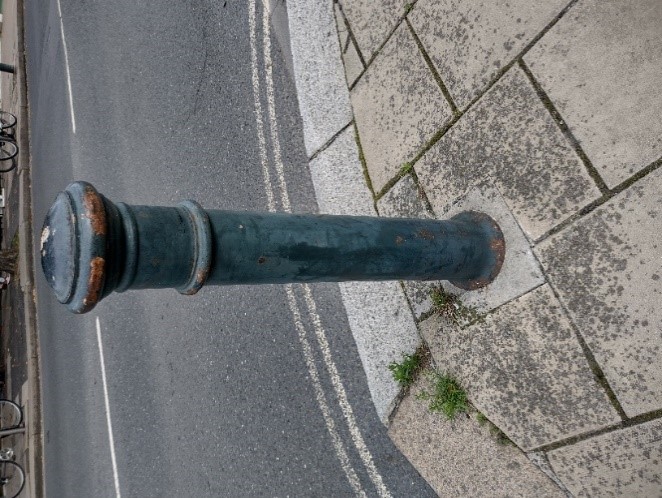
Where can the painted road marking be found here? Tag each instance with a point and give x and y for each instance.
(111, 440)
(66, 66)
(320, 397)
(341, 394)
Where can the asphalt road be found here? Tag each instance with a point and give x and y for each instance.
(226, 393)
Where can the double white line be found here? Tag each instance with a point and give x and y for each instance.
(310, 305)
(66, 66)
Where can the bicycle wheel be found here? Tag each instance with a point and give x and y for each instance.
(7, 120)
(8, 149)
(12, 478)
(11, 415)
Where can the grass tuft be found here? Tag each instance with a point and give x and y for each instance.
(404, 373)
(405, 169)
(447, 396)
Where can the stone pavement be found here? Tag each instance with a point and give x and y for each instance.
(545, 115)
(18, 336)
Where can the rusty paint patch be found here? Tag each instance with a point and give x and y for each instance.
(95, 211)
(95, 281)
(261, 260)
(497, 245)
(200, 279)
(399, 240)
(498, 248)
(425, 234)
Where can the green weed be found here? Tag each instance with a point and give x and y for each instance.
(447, 396)
(404, 373)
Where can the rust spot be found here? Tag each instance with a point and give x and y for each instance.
(94, 211)
(95, 282)
(498, 245)
(399, 240)
(261, 260)
(425, 234)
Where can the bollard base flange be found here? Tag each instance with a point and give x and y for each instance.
(496, 254)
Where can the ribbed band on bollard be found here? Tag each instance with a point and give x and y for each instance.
(91, 247)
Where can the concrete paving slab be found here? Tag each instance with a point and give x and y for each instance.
(350, 55)
(525, 370)
(520, 272)
(353, 65)
(509, 139)
(321, 87)
(371, 21)
(471, 41)
(461, 458)
(600, 65)
(607, 271)
(337, 176)
(626, 462)
(404, 200)
(398, 107)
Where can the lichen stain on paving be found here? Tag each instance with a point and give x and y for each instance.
(511, 140)
(525, 370)
(605, 269)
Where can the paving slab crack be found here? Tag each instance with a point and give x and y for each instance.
(433, 70)
(556, 115)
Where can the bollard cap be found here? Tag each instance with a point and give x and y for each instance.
(73, 247)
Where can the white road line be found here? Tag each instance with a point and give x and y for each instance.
(258, 108)
(337, 442)
(66, 66)
(111, 440)
(345, 406)
(319, 394)
(339, 388)
(271, 104)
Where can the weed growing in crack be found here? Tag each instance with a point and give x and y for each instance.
(449, 306)
(405, 169)
(404, 373)
(447, 396)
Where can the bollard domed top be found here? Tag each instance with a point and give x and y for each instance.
(73, 246)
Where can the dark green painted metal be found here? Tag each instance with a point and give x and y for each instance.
(91, 247)
(7, 68)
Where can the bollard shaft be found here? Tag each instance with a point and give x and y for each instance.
(104, 247)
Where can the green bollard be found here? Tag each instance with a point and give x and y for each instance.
(91, 247)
